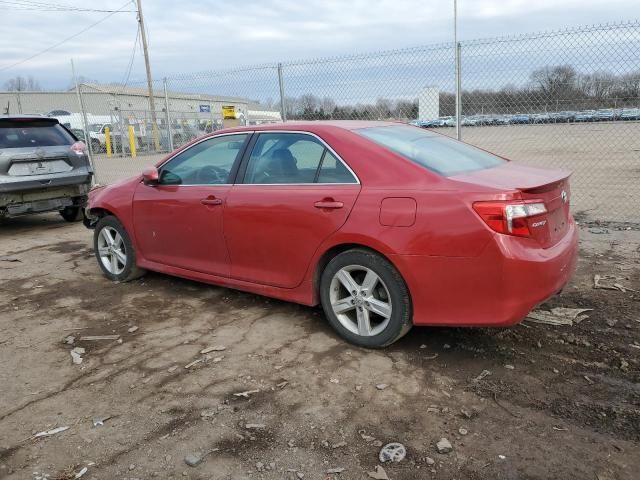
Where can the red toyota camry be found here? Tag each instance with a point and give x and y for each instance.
(386, 225)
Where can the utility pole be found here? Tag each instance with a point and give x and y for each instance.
(456, 47)
(147, 64)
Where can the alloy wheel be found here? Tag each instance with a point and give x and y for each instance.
(112, 251)
(360, 300)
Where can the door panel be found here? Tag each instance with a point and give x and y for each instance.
(181, 226)
(179, 221)
(272, 231)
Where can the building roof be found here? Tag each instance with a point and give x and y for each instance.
(143, 92)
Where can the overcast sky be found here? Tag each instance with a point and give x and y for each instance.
(188, 36)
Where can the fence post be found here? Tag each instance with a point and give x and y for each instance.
(123, 152)
(167, 116)
(85, 124)
(458, 92)
(283, 106)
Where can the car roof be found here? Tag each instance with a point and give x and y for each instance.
(23, 116)
(314, 126)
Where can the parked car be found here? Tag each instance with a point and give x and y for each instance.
(97, 131)
(585, 116)
(630, 114)
(559, 117)
(58, 113)
(469, 121)
(43, 167)
(79, 134)
(540, 118)
(432, 123)
(357, 216)
(520, 118)
(448, 121)
(605, 115)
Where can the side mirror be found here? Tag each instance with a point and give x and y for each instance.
(150, 176)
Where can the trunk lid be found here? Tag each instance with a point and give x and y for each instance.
(532, 185)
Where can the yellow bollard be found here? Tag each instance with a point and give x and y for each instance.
(107, 140)
(132, 141)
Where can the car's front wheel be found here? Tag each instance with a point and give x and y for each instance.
(114, 250)
(365, 299)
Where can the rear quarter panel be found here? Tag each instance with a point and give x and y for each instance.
(445, 225)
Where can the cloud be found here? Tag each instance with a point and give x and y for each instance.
(221, 34)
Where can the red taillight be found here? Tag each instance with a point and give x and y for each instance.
(79, 148)
(509, 217)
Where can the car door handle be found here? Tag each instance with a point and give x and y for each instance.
(211, 201)
(328, 204)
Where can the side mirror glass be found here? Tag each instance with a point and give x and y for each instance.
(150, 176)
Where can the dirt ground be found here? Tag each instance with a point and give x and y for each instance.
(558, 402)
(603, 156)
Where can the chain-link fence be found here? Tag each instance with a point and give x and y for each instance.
(567, 99)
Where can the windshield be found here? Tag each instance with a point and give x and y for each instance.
(438, 153)
(96, 127)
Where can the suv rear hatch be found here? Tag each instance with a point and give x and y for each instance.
(38, 153)
(529, 186)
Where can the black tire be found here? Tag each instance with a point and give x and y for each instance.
(71, 214)
(130, 270)
(400, 320)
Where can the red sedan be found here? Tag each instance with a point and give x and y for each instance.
(385, 225)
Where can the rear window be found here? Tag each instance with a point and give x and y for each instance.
(436, 152)
(22, 134)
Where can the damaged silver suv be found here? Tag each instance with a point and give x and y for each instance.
(43, 168)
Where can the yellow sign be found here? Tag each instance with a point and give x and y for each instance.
(228, 112)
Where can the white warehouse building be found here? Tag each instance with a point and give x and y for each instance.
(108, 100)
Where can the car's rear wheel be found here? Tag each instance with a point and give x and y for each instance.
(71, 214)
(114, 251)
(365, 299)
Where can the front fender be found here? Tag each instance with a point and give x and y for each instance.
(116, 200)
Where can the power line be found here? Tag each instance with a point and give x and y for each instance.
(133, 56)
(48, 49)
(51, 7)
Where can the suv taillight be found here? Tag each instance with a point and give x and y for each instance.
(79, 148)
(509, 217)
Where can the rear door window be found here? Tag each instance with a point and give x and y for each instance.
(24, 134)
(294, 158)
(333, 170)
(436, 152)
(281, 158)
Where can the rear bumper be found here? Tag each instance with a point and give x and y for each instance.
(19, 185)
(497, 288)
(43, 200)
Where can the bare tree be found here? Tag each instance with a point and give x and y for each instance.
(629, 85)
(598, 85)
(22, 84)
(555, 81)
